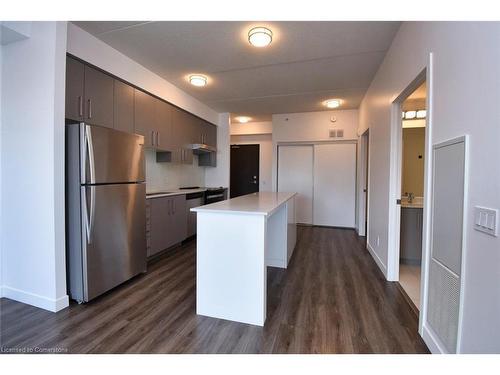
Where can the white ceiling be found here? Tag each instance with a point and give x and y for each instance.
(306, 63)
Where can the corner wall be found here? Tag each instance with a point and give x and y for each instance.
(466, 77)
(32, 168)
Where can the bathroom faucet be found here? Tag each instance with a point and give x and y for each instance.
(410, 197)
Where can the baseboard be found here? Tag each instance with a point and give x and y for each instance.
(432, 341)
(36, 300)
(275, 263)
(379, 262)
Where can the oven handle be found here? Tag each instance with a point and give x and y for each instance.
(215, 196)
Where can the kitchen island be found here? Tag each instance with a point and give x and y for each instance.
(236, 240)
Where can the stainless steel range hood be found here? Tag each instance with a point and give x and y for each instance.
(201, 148)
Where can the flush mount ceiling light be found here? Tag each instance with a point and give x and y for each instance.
(260, 36)
(332, 103)
(243, 119)
(197, 80)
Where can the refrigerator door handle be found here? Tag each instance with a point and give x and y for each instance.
(85, 213)
(90, 149)
(88, 213)
(92, 213)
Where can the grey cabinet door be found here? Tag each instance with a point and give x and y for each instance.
(178, 222)
(74, 89)
(210, 134)
(98, 98)
(159, 223)
(182, 138)
(123, 106)
(163, 125)
(144, 117)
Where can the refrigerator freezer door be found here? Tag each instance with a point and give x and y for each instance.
(110, 156)
(114, 235)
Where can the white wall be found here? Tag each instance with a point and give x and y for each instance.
(32, 167)
(166, 176)
(264, 127)
(465, 83)
(265, 156)
(90, 49)
(219, 176)
(311, 127)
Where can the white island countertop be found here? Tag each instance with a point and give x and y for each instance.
(262, 203)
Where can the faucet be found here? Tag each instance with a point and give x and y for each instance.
(410, 197)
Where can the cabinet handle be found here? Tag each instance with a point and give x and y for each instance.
(90, 108)
(152, 138)
(80, 106)
(157, 138)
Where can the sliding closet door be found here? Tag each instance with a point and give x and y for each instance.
(295, 174)
(335, 184)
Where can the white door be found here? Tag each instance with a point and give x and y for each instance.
(335, 184)
(295, 174)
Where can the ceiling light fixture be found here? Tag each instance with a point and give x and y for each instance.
(419, 114)
(332, 103)
(197, 80)
(260, 36)
(243, 119)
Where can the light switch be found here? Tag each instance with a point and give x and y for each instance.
(486, 220)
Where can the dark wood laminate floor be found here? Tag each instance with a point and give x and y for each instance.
(332, 299)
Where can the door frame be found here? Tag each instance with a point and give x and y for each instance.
(395, 186)
(363, 183)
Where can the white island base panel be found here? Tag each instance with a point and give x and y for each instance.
(233, 250)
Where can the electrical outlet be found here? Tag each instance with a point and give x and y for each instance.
(486, 220)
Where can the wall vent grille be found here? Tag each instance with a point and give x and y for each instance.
(444, 300)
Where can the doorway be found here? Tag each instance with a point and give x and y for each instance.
(244, 171)
(408, 184)
(412, 192)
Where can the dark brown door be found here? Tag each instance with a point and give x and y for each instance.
(244, 169)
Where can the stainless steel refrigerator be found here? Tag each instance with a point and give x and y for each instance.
(105, 209)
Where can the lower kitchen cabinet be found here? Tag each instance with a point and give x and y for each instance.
(411, 235)
(167, 222)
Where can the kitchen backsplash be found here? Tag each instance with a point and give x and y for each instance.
(165, 176)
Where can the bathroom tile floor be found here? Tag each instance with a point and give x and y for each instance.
(409, 278)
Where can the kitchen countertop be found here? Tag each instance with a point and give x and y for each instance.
(262, 203)
(417, 202)
(412, 205)
(172, 192)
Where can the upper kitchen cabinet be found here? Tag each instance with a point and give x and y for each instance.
(123, 107)
(144, 117)
(74, 89)
(163, 113)
(210, 134)
(99, 91)
(153, 120)
(89, 94)
(182, 133)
